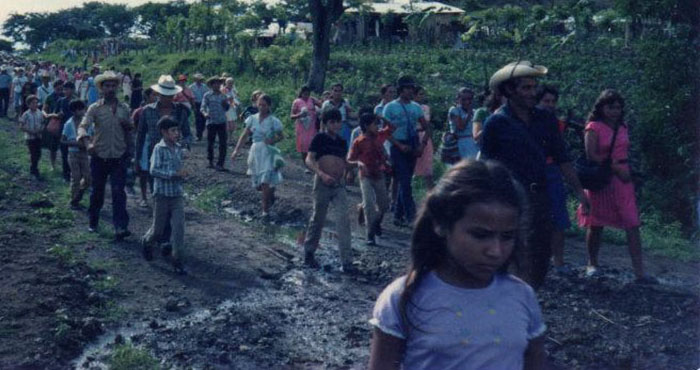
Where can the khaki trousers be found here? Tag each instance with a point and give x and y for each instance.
(323, 197)
(375, 201)
(168, 209)
(80, 179)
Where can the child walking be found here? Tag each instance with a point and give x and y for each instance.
(168, 175)
(367, 152)
(457, 308)
(77, 155)
(32, 123)
(326, 159)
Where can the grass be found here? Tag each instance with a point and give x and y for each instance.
(209, 199)
(128, 357)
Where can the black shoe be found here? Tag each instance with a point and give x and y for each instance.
(350, 270)
(179, 268)
(371, 242)
(166, 249)
(360, 215)
(378, 229)
(121, 234)
(220, 168)
(92, 229)
(310, 261)
(147, 251)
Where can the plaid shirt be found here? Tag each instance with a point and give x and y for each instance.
(213, 108)
(148, 127)
(165, 162)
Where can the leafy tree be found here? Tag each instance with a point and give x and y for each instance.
(116, 20)
(6, 45)
(150, 16)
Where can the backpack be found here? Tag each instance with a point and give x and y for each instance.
(449, 152)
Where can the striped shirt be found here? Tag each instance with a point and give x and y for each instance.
(213, 108)
(32, 121)
(166, 161)
(110, 136)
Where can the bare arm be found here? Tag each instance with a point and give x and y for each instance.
(386, 351)
(572, 179)
(241, 140)
(477, 129)
(535, 356)
(591, 143)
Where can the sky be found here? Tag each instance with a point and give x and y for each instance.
(8, 7)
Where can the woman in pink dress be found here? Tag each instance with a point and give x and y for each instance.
(424, 163)
(304, 115)
(615, 205)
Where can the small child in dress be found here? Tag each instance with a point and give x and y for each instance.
(458, 308)
(367, 152)
(77, 155)
(168, 172)
(32, 123)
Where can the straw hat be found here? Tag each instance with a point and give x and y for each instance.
(211, 80)
(166, 86)
(106, 76)
(198, 76)
(521, 68)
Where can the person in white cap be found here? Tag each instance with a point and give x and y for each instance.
(522, 136)
(105, 131)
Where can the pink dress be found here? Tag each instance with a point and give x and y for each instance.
(614, 205)
(424, 163)
(305, 128)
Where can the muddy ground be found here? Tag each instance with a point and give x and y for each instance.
(69, 298)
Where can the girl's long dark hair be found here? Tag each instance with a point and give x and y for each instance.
(607, 97)
(466, 183)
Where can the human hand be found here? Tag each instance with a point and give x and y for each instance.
(182, 172)
(234, 155)
(91, 149)
(585, 204)
(327, 179)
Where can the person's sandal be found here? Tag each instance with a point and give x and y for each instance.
(592, 271)
(646, 280)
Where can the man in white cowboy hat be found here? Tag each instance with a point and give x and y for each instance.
(198, 90)
(105, 131)
(149, 135)
(523, 137)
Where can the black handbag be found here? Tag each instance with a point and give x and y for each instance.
(595, 176)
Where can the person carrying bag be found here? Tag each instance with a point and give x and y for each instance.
(595, 176)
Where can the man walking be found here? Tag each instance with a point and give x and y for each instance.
(522, 137)
(198, 90)
(104, 130)
(5, 84)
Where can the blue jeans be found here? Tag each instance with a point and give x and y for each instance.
(403, 165)
(115, 169)
(345, 133)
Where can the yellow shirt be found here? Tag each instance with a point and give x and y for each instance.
(110, 125)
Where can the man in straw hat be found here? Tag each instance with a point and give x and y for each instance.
(107, 145)
(214, 107)
(198, 90)
(524, 138)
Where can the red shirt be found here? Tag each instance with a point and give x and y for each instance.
(370, 151)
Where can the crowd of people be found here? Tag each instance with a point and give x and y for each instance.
(502, 201)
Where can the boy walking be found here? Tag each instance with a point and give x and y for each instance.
(32, 123)
(168, 175)
(77, 155)
(326, 158)
(214, 107)
(367, 152)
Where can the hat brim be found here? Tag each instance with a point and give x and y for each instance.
(511, 71)
(166, 90)
(215, 79)
(99, 81)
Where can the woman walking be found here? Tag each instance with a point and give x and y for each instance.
(424, 163)
(266, 131)
(615, 205)
(304, 115)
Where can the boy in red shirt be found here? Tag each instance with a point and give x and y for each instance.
(367, 152)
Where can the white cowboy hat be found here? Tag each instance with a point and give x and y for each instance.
(521, 68)
(166, 86)
(198, 76)
(106, 76)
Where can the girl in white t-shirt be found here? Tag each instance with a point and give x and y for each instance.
(457, 308)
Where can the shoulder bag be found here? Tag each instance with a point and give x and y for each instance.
(595, 176)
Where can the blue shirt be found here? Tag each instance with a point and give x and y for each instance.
(198, 91)
(263, 130)
(5, 81)
(464, 115)
(71, 134)
(521, 147)
(404, 117)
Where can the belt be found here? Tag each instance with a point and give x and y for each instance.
(536, 188)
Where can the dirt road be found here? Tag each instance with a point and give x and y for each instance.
(70, 297)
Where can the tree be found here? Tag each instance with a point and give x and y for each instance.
(6, 45)
(323, 14)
